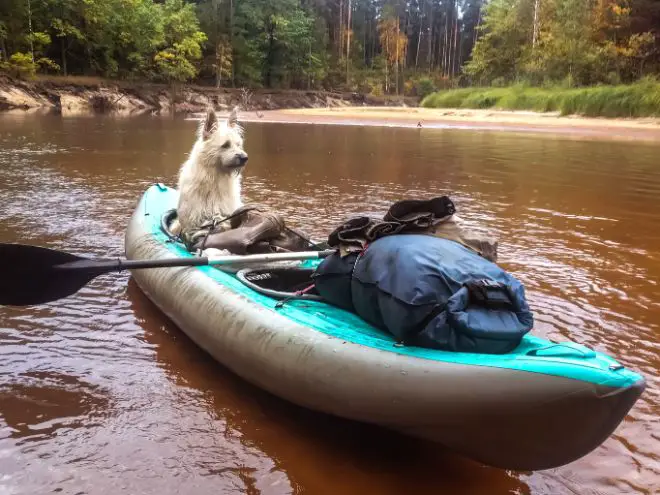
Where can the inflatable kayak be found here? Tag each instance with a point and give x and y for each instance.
(542, 405)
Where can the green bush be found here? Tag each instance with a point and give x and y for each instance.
(425, 86)
(641, 99)
(46, 64)
(484, 99)
(20, 65)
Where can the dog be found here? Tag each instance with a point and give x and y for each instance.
(210, 179)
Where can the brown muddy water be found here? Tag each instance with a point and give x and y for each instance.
(100, 393)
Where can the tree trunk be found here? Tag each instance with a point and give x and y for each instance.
(405, 56)
(429, 55)
(387, 63)
(364, 39)
(348, 44)
(453, 58)
(63, 51)
(374, 40)
(231, 42)
(387, 78)
(30, 29)
(435, 47)
(449, 47)
(341, 27)
(269, 56)
(453, 67)
(535, 36)
(396, 58)
(457, 49)
(309, 70)
(219, 58)
(444, 45)
(476, 30)
(419, 36)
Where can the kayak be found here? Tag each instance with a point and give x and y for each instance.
(543, 405)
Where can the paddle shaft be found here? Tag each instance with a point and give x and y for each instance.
(36, 275)
(120, 264)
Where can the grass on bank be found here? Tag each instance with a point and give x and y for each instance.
(641, 99)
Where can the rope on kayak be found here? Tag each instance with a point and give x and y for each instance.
(297, 295)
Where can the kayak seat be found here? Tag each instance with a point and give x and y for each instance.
(281, 282)
(165, 222)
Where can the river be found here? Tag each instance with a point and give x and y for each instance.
(100, 393)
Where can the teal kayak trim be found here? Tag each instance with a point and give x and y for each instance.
(534, 354)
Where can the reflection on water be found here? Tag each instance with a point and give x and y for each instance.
(41, 404)
(101, 393)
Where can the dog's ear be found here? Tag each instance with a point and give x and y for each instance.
(233, 117)
(210, 124)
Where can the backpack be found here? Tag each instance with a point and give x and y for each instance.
(429, 292)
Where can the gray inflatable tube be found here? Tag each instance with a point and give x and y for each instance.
(501, 417)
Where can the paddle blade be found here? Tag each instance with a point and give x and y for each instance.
(30, 275)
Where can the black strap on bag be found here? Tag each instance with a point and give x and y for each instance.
(409, 337)
(490, 295)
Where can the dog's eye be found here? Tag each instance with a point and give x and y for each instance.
(226, 145)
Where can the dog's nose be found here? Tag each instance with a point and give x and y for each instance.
(242, 158)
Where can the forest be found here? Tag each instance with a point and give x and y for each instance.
(371, 46)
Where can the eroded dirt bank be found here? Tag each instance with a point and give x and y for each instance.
(88, 95)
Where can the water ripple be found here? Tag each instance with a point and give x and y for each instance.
(100, 392)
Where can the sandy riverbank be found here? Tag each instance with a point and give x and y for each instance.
(81, 95)
(425, 118)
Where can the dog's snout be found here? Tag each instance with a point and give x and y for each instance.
(242, 158)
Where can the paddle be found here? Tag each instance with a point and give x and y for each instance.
(35, 275)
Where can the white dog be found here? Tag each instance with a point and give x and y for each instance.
(210, 179)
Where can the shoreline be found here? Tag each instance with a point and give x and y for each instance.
(79, 95)
(86, 96)
(492, 120)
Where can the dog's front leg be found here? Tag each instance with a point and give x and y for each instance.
(215, 252)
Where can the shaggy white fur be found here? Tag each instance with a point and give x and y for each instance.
(210, 179)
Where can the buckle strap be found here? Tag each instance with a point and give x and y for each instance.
(490, 294)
